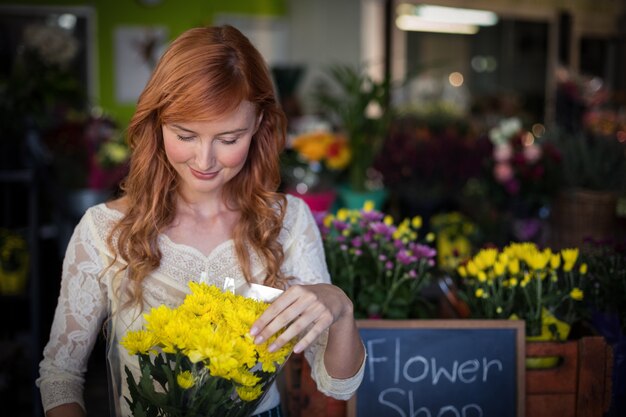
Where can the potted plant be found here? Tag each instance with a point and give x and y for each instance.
(360, 106)
(593, 168)
(544, 288)
(311, 164)
(382, 266)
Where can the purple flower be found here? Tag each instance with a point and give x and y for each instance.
(405, 257)
(382, 257)
(357, 242)
(423, 251)
(372, 216)
(412, 273)
(382, 229)
(343, 247)
(358, 252)
(389, 265)
(398, 244)
(340, 226)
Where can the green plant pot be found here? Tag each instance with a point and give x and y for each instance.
(547, 335)
(354, 200)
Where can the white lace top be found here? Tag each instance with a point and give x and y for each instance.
(86, 300)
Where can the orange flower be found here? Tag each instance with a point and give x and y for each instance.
(323, 146)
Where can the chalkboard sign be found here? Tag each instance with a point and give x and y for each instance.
(441, 368)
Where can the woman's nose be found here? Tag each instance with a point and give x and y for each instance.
(204, 155)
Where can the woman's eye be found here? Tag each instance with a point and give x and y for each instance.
(185, 138)
(228, 141)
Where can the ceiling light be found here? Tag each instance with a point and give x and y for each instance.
(416, 23)
(456, 20)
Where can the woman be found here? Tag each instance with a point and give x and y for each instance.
(199, 203)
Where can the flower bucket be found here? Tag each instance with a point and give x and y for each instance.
(552, 329)
(318, 202)
(354, 200)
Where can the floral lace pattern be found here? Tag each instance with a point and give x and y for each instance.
(87, 298)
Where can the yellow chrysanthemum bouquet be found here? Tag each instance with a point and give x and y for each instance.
(522, 281)
(199, 359)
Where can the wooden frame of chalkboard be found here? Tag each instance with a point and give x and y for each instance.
(430, 368)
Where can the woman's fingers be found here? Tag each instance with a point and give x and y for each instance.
(301, 311)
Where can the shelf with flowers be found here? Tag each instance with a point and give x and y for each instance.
(360, 108)
(312, 165)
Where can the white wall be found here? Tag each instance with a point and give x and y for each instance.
(323, 32)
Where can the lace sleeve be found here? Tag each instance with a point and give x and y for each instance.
(306, 262)
(79, 313)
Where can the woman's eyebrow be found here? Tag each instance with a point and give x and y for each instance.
(178, 127)
(228, 132)
(234, 131)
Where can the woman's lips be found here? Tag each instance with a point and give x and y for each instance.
(203, 175)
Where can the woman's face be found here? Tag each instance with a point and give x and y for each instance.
(206, 155)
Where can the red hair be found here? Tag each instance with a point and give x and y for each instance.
(205, 71)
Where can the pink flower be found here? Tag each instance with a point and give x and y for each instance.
(502, 153)
(532, 153)
(503, 172)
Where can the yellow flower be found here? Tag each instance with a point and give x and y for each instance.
(342, 214)
(368, 206)
(479, 293)
(388, 220)
(430, 237)
(462, 271)
(569, 258)
(416, 222)
(185, 380)
(472, 269)
(313, 145)
(138, 342)
(249, 393)
(555, 261)
(499, 268)
(538, 260)
(583, 269)
(513, 266)
(485, 258)
(577, 294)
(328, 220)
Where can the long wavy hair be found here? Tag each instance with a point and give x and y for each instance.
(205, 71)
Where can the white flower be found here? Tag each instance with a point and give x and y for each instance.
(54, 45)
(505, 130)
